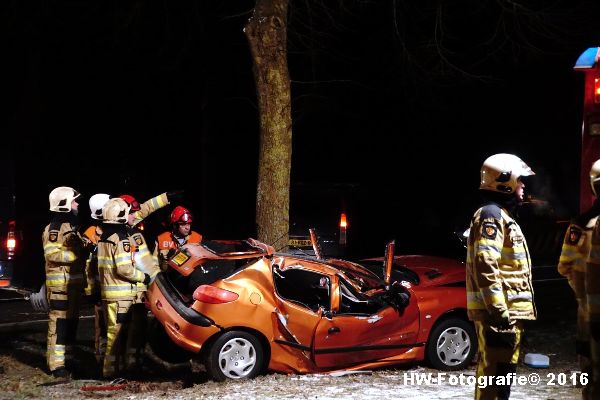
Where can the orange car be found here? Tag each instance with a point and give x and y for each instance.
(244, 308)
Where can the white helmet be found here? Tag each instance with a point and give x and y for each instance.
(98, 201)
(61, 198)
(500, 172)
(595, 176)
(115, 211)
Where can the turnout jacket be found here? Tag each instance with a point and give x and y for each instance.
(576, 248)
(144, 261)
(116, 268)
(592, 276)
(63, 253)
(166, 241)
(498, 267)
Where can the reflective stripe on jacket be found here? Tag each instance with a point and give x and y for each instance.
(592, 276)
(148, 207)
(118, 275)
(498, 267)
(574, 255)
(62, 247)
(143, 260)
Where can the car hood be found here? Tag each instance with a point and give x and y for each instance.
(432, 270)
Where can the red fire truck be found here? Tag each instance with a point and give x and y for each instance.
(588, 62)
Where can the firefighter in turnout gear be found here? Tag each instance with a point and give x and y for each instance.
(576, 249)
(118, 280)
(499, 289)
(168, 242)
(145, 262)
(592, 292)
(65, 258)
(93, 234)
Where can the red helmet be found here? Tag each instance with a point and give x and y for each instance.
(132, 202)
(181, 215)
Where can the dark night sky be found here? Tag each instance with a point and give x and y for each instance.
(381, 97)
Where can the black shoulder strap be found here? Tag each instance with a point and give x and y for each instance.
(491, 210)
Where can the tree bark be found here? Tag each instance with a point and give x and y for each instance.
(266, 32)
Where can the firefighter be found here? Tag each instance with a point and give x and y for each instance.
(499, 289)
(93, 234)
(592, 291)
(168, 242)
(118, 279)
(572, 264)
(147, 263)
(65, 258)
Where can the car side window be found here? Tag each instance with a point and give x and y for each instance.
(351, 303)
(306, 288)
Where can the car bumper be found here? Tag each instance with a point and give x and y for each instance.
(186, 327)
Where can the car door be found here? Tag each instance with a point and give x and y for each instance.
(301, 296)
(360, 331)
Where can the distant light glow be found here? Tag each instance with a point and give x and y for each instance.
(343, 221)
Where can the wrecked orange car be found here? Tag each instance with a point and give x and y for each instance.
(244, 309)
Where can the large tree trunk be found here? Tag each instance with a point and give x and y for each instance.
(266, 32)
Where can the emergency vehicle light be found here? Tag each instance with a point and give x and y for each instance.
(343, 229)
(214, 295)
(11, 240)
(587, 59)
(343, 221)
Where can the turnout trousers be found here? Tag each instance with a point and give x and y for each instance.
(63, 316)
(117, 315)
(498, 356)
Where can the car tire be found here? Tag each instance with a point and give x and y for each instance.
(163, 347)
(452, 344)
(235, 355)
(39, 301)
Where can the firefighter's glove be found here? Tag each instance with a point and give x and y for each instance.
(146, 279)
(74, 242)
(175, 195)
(171, 253)
(501, 321)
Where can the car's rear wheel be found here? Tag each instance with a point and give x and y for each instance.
(452, 344)
(235, 355)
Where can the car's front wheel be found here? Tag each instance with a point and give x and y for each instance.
(235, 355)
(452, 344)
